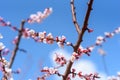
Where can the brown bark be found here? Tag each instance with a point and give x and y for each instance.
(80, 32)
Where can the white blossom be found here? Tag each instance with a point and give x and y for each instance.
(117, 30)
(42, 34)
(2, 46)
(39, 16)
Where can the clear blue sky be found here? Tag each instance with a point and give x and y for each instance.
(104, 17)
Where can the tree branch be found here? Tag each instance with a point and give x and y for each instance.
(74, 17)
(85, 24)
(17, 44)
(80, 36)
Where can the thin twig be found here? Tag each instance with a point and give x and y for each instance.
(17, 44)
(80, 36)
(0, 55)
(74, 17)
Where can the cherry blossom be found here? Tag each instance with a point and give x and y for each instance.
(60, 41)
(7, 23)
(91, 76)
(2, 46)
(49, 39)
(7, 72)
(60, 59)
(5, 51)
(108, 34)
(42, 34)
(75, 56)
(39, 16)
(90, 30)
(100, 40)
(117, 30)
(49, 70)
(44, 37)
(4, 23)
(25, 33)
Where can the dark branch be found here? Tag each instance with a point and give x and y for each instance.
(17, 44)
(85, 24)
(81, 33)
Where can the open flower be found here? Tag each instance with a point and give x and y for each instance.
(100, 40)
(2, 46)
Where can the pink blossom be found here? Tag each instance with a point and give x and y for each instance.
(108, 34)
(117, 30)
(50, 38)
(60, 59)
(52, 70)
(74, 56)
(60, 41)
(90, 30)
(5, 51)
(91, 48)
(100, 40)
(26, 33)
(39, 16)
(42, 35)
(8, 23)
(49, 71)
(31, 32)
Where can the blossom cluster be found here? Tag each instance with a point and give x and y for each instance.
(80, 51)
(37, 36)
(7, 23)
(4, 23)
(60, 41)
(44, 37)
(39, 16)
(48, 71)
(4, 67)
(101, 39)
(60, 59)
(49, 39)
(90, 76)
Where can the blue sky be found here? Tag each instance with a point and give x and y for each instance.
(104, 17)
